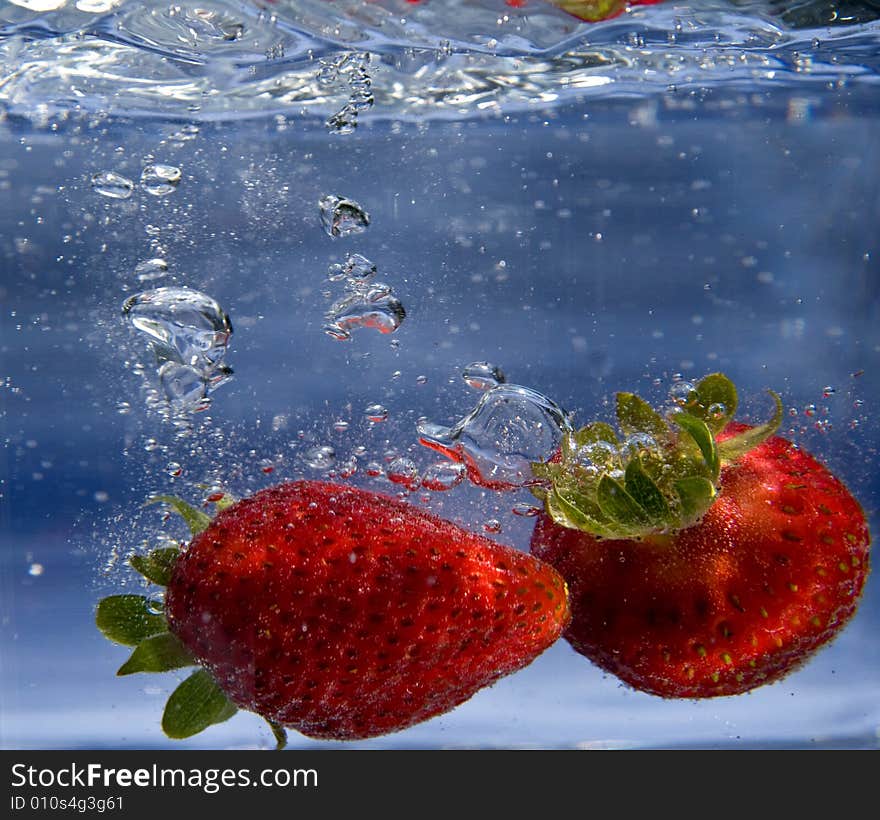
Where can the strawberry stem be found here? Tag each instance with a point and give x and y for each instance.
(280, 734)
(661, 476)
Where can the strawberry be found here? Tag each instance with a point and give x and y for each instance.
(342, 613)
(720, 560)
(594, 11)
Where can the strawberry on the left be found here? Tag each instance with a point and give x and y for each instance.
(332, 610)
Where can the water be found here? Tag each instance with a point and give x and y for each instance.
(569, 208)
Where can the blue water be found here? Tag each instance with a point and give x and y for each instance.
(584, 243)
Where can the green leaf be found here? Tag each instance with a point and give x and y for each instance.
(645, 492)
(597, 431)
(702, 436)
(737, 446)
(616, 503)
(717, 401)
(158, 565)
(126, 619)
(696, 494)
(194, 706)
(569, 510)
(158, 653)
(196, 520)
(545, 470)
(635, 415)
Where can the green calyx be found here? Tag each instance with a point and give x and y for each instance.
(659, 477)
(139, 622)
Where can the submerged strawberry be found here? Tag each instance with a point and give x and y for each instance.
(702, 562)
(338, 612)
(593, 11)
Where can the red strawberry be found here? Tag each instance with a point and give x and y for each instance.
(346, 614)
(771, 571)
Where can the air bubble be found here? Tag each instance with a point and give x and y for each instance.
(320, 457)
(511, 427)
(404, 472)
(183, 325)
(151, 269)
(376, 413)
(684, 394)
(483, 375)
(443, 476)
(184, 386)
(341, 216)
(716, 411)
(112, 185)
(156, 603)
(526, 510)
(160, 180)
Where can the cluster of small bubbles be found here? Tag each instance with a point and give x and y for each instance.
(638, 445)
(492, 526)
(511, 427)
(112, 185)
(319, 457)
(151, 269)
(352, 69)
(403, 471)
(684, 394)
(525, 510)
(341, 216)
(160, 179)
(442, 476)
(598, 456)
(189, 333)
(483, 375)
